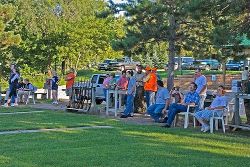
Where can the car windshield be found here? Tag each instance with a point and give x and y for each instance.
(187, 59)
(107, 61)
(232, 62)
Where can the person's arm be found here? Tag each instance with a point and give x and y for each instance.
(146, 78)
(14, 78)
(204, 83)
(166, 106)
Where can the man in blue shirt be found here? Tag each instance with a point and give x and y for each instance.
(217, 106)
(161, 103)
(130, 95)
(191, 98)
(201, 82)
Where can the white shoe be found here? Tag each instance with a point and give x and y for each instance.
(202, 128)
(5, 105)
(12, 105)
(15, 104)
(207, 128)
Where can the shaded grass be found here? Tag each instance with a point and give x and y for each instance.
(124, 145)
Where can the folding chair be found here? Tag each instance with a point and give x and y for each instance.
(186, 115)
(31, 95)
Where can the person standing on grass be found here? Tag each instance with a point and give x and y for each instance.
(201, 82)
(13, 83)
(105, 85)
(128, 112)
(70, 79)
(150, 86)
(217, 106)
(122, 84)
(139, 95)
(54, 86)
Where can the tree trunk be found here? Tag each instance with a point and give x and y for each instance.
(224, 72)
(78, 59)
(172, 39)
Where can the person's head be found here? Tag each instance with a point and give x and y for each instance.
(246, 68)
(12, 66)
(221, 90)
(160, 83)
(139, 68)
(130, 73)
(107, 75)
(176, 88)
(154, 69)
(26, 80)
(148, 69)
(197, 72)
(71, 70)
(124, 73)
(54, 73)
(192, 86)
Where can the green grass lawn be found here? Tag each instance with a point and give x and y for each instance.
(123, 145)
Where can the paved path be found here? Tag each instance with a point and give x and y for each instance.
(53, 130)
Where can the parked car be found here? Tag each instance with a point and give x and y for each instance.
(186, 63)
(234, 65)
(97, 81)
(207, 64)
(123, 64)
(104, 65)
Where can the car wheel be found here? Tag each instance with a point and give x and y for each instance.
(122, 68)
(98, 101)
(207, 67)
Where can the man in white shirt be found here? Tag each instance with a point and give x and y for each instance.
(201, 82)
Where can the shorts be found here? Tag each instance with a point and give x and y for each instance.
(68, 91)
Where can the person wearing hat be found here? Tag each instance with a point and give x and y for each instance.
(139, 95)
(150, 86)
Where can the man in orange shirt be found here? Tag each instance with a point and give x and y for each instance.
(150, 86)
(70, 79)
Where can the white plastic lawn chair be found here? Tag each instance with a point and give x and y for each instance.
(186, 116)
(31, 95)
(214, 120)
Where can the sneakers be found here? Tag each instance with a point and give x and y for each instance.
(202, 128)
(12, 105)
(5, 105)
(166, 126)
(54, 102)
(206, 128)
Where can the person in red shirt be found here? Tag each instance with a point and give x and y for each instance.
(70, 79)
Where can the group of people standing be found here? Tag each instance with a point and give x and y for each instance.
(162, 103)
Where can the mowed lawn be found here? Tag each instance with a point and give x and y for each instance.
(125, 144)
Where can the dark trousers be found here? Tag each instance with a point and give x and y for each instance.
(139, 100)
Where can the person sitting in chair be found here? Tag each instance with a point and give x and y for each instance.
(161, 103)
(217, 106)
(191, 98)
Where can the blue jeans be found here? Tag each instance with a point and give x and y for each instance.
(150, 95)
(173, 110)
(129, 105)
(155, 111)
(105, 93)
